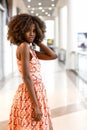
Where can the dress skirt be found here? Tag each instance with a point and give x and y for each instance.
(22, 110)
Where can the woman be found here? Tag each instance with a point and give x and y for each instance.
(29, 110)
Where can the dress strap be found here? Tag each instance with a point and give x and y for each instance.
(33, 52)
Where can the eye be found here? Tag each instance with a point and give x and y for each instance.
(34, 30)
(27, 31)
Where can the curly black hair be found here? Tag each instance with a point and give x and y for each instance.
(19, 25)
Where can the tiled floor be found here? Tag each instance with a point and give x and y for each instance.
(67, 96)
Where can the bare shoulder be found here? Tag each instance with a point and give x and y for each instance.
(24, 45)
(22, 49)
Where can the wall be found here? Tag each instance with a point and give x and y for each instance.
(1, 44)
(8, 63)
(20, 5)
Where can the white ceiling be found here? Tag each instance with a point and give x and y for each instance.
(41, 7)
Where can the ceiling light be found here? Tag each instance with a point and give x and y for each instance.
(50, 8)
(33, 8)
(32, 11)
(37, 14)
(46, 13)
(40, 8)
(53, 5)
(39, 3)
(29, 6)
(29, 0)
(41, 17)
(43, 10)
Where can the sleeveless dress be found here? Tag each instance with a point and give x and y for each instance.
(22, 108)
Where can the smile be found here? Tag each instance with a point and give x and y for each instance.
(31, 38)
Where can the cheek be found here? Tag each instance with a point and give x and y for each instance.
(34, 34)
(26, 37)
(26, 34)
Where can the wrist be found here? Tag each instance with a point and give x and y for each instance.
(39, 43)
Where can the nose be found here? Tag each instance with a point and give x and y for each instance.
(31, 33)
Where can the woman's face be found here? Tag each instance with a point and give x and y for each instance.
(31, 34)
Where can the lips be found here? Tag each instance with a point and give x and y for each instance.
(31, 38)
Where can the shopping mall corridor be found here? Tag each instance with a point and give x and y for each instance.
(67, 95)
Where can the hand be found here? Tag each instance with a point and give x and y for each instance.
(38, 114)
(38, 44)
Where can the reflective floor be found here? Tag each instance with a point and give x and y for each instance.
(67, 96)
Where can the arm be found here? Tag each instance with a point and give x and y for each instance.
(25, 56)
(48, 54)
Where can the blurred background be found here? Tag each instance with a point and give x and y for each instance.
(66, 34)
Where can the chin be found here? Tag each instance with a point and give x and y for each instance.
(31, 41)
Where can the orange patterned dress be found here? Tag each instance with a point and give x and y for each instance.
(22, 108)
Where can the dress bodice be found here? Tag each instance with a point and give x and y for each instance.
(34, 66)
